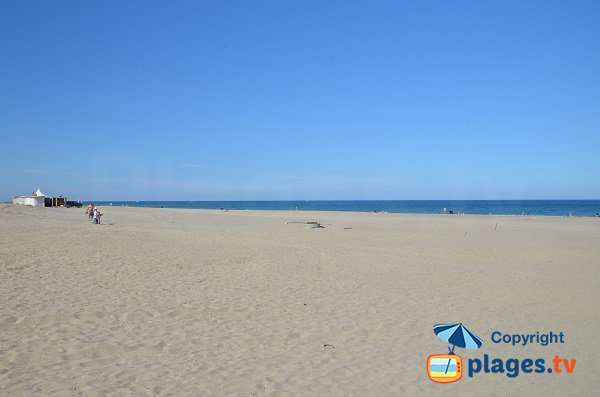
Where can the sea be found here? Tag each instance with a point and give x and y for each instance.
(491, 207)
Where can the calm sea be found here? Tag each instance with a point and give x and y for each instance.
(496, 207)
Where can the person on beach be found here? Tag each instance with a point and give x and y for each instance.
(90, 211)
(96, 216)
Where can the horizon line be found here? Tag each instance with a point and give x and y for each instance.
(306, 200)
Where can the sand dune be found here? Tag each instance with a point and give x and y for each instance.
(199, 302)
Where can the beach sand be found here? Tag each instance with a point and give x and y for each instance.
(242, 303)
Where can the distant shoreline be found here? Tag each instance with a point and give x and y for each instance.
(578, 208)
(332, 212)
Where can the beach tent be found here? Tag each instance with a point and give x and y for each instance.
(35, 200)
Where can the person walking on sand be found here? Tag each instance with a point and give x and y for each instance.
(96, 216)
(90, 211)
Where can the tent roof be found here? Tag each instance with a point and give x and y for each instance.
(39, 193)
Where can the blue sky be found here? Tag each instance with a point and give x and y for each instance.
(300, 100)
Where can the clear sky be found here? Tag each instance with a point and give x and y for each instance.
(251, 100)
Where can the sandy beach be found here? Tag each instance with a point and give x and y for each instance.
(245, 303)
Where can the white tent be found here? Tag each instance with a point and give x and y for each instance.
(35, 200)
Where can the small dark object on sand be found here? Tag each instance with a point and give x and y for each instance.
(326, 345)
(347, 228)
(313, 224)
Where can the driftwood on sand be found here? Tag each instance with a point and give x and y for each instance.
(312, 224)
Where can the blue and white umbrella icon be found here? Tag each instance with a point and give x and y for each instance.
(457, 335)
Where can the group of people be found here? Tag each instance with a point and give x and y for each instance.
(93, 214)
